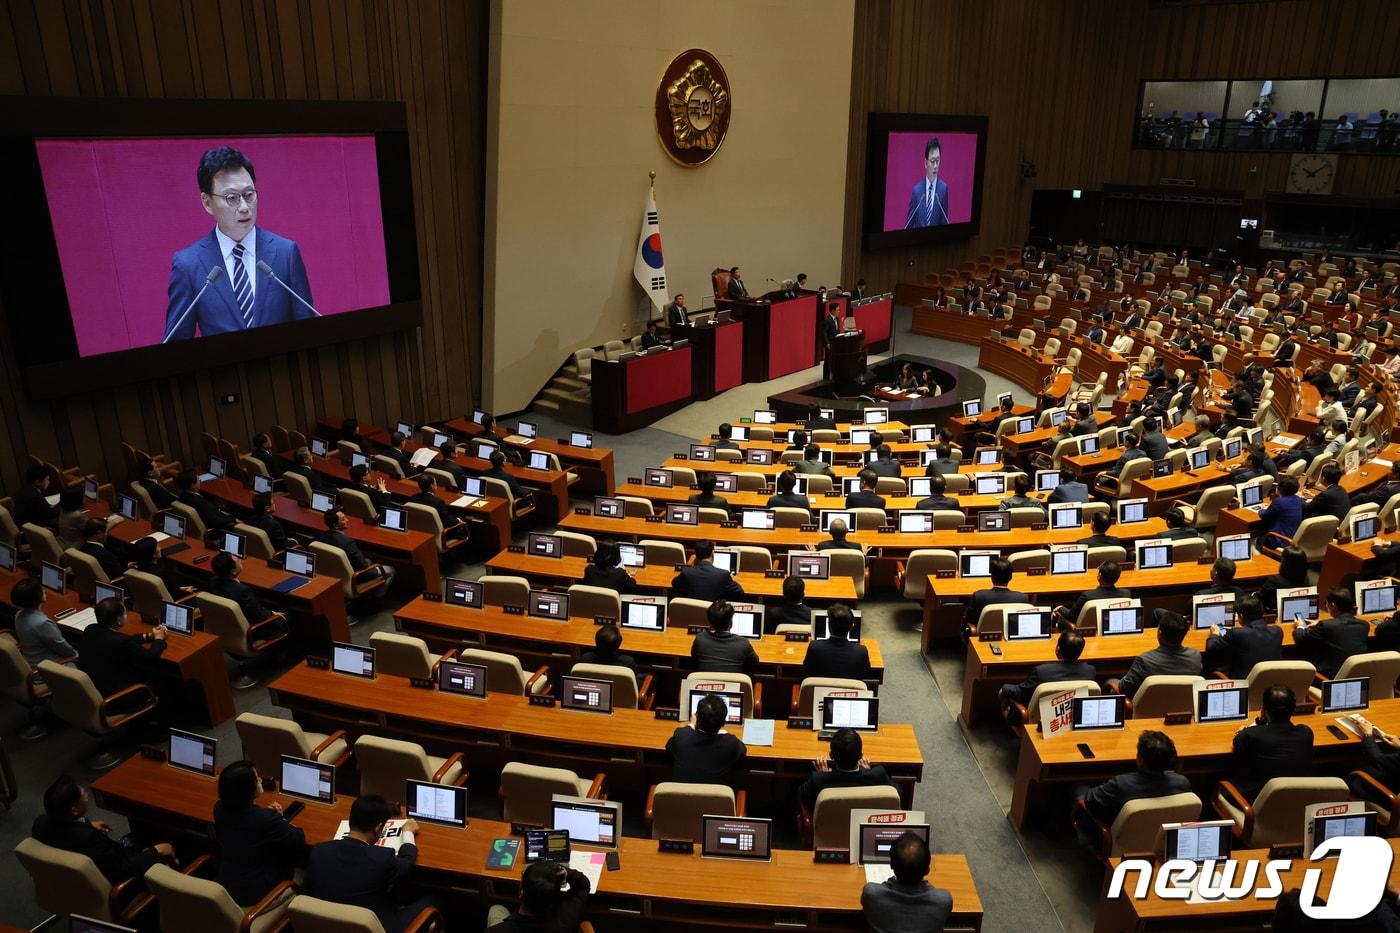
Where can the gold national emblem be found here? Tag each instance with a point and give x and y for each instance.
(692, 107)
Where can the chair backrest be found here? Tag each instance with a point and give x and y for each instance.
(1161, 694)
(891, 486)
(258, 543)
(297, 486)
(663, 553)
(1026, 516)
(1314, 534)
(357, 504)
(742, 682)
(1185, 550)
(574, 544)
(1210, 503)
(1098, 555)
(194, 525)
(401, 655)
(1383, 667)
(426, 519)
(75, 698)
(266, 739)
(1038, 558)
(386, 764)
(223, 618)
(753, 559)
(64, 882)
(626, 694)
(526, 791)
(1278, 810)
(43, 544)
(1296, 675)
(831, 817)
(750, 481)
(505, 590)
(334, 562)
(846, 562)
(504, 673)
(923, 564)
(677, 808)
(593, 601)
(312, 915)
(684, 611)
(1138, 826)
(190, 903)
(785, 517)
(712, 516)
(993, 618)
(9, 531)
(147, 592)
(806, 692)
(15, 671)
(87, 571)
(1055, 686)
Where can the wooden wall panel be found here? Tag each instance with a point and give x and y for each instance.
(1059, 82)
(431, 54)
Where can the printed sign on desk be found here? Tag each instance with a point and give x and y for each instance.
(1057, 712)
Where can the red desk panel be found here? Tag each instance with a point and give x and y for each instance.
(657, 380)
(874, 319)
(792, 335)
(729, 355)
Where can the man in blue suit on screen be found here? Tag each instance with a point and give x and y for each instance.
(238, 297)
(928, 202)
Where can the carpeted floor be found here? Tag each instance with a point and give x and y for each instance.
(1039, 881)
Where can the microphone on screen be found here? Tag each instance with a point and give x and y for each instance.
(215, 273)
(265, 269)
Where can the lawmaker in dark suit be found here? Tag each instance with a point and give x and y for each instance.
(928, 201)
(1237, 649)
(1333, 500)
(335, 536)
(264, 454)
(242, 298)
(676, 315)
(607, 641)
(703, 580)
(210, 514)
(999, 593)
(865, 497)
(704, 752)
(225, 583)
(258, 849)
(96, 547)
(719, 649)
(31, 501)
(114, 661)
(1169, 657)
(846, 767)
(302, 467)
(357, 872)
(1067, 649)
(64, 825)
(1154, 777)
(938, 500)
(1070, 489)
(1327, 643)
(1109, 573)
(736, 288)
(837, 655)
(262, 518)
(604, 570)
(1274, 746)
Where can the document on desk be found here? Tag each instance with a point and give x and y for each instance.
(81, 620)
(1286, 441)
(159, 536)
(590, 864)
(1383, 464)
(758, 732)
(878, 874)
(393, 837)
(423, 456)
(468, 502)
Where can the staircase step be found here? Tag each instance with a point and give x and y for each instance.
(573, 385)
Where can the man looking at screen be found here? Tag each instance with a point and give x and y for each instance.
(928, 202)
(238, 300)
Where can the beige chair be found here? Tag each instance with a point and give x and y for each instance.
(828, 826)
(1188, 550)
(87, 572)
(427, 520)
(400, 655)
(357, 504)
(147, 592)
(912, 576)
(1161, 694)
(1276, 815)
(947, 520)
(993, 618)
(636, 507)
(1140, 468)
(574, 544)
(9, 531)
(194, 525)
(1210, 504)
(711, 516)
(674, 809)
(504, 590)
(1029, 715)
(190, 903)
(43, 544)
(344, 449)
(22, 683)
(312, 915)
(753, 559)
(891, 486)
(869, 519)
(76, 701)
(500, 489)
(1297, 676)
(1313, 536)
(1037, 559)
(590, 602)
(1382, 667)
(386, 765)
(627, 693)
(67, 883)
(682, 611)
(527, 790)
(663, 553)
(387, 465)
(297, 486)
(504, 673)
(787, 517)
(265, 739)
(734, 683)
(258, 543)
(804, 694)
(224, 619)
(332, 561)
(749, 481)
(846, 562)
(1026, 517)
(1138, 826)
(1104, 553)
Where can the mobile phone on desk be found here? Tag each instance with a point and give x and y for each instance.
(292, 809)
(996, 649)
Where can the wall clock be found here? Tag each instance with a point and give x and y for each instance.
(1312, 173)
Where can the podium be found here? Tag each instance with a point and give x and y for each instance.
(846, 362)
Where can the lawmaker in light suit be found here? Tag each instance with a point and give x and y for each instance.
(242, 298)
(928, 202)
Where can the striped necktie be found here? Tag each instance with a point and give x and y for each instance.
(928, 207)
(242, 288)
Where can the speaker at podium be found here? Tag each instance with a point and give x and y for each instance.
(846, 362)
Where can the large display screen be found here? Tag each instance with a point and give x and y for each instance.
(147, 238)
(923, 178)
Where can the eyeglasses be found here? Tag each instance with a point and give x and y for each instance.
(232, 199)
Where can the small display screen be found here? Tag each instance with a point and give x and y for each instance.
(352, 659)
(737, 837)
(465, 679)
(192, 752)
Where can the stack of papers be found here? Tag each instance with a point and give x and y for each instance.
(590, 864)
(758, 732)
(423, 456)
(394, 837)
(159, 536)
(878, 874)
(81, 620)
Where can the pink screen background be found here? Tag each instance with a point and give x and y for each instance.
(904, 165)
(122, 208)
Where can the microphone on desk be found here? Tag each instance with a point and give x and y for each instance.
(215, 273)
(265, 269)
